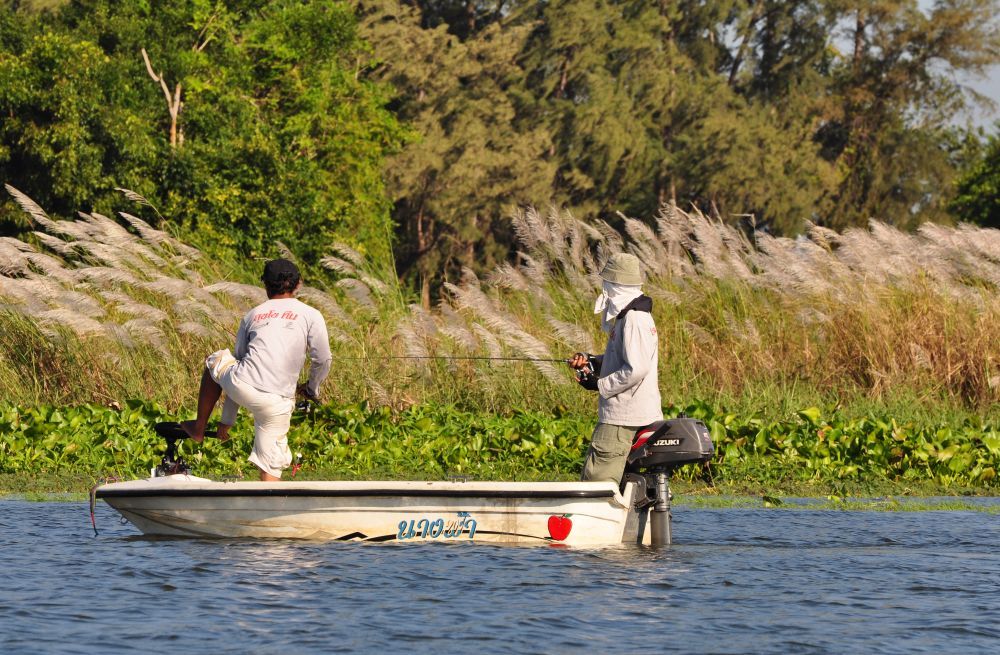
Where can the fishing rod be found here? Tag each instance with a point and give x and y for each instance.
(504, 359)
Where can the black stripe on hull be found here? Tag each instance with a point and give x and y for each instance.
(345, 493)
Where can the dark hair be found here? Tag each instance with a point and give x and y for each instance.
(280, 276)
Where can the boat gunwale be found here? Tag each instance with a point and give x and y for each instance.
(358, 493)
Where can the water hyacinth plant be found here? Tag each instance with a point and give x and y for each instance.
(867, 325)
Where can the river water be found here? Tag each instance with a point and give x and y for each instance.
(738, 581)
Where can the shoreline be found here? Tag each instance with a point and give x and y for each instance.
(879, 496)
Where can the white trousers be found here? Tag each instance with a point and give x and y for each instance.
(272, 414)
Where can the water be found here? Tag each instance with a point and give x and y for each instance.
(741, 581)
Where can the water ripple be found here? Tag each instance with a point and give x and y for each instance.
(739, 581)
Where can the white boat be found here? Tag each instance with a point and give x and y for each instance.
(577, 513)
(174, 503)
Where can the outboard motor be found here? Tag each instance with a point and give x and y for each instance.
(657, 450)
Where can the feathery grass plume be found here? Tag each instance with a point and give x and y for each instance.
(349, 253)
(536, 271)
(184, 291)
(469, 296)
(125, 304)
(31, 208)
(662, 295)
(157, 238)
(17, 244)
(357, 291)
(105, 276)
(492, 343)
(50, 266)
(529, 227)
(413, 344)
(195, 329)
(108, 255)
(647, 246)
(135, 197)
(373, 283)
(12, 261)
(576, 245)
(506, 276)
(571, 334)
(80, 303)
(28, 303)
(338, 265)
(61, 318)
(611, 239)
(285, 252)
(119, 334)
(377, 393)
(145, 230)
(145, 331)
(239, 291)
(669, 229)
(63, 248)
(454, 326)
(74, 229)
(921, 358)
(324, 303)
(422, 321)
(789, 265)
(106, 230)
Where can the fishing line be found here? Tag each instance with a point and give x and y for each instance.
(504, 359)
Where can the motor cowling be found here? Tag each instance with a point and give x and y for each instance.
(666, 445)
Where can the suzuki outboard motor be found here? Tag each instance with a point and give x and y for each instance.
(657, 450)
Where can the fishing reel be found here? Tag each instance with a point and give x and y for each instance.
(587, 377)
(305, 402)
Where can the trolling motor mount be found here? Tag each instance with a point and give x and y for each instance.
(657, 450)
(172, 464)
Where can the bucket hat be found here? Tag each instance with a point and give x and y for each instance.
(622, 268)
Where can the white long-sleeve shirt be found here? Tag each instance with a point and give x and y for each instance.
(271, 346)
(628, 386)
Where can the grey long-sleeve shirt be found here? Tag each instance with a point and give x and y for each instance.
(629, 385)
(271, 346)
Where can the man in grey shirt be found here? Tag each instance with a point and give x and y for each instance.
(271, 346)
(625, 376)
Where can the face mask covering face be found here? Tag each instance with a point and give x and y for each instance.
(613, 300)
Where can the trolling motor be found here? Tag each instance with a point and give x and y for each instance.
(172, 464)
(657, 450)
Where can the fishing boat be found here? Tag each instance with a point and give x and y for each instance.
(173, 502)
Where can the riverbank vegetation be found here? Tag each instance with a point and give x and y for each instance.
(312, 122)
(855, 357)
(395, 151)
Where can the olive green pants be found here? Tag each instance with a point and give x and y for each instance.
(608, 451)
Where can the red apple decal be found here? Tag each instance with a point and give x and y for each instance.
(559, 526)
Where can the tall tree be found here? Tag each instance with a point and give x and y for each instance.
(977, 197)
(898, 90)
(269, 134)
(475, 157)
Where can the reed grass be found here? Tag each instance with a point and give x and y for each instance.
(101, 310)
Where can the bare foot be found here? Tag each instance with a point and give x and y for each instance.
(190, 428)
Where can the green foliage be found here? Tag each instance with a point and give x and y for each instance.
(433, 442)
(475, 157)
(978, 189)
(275, 137)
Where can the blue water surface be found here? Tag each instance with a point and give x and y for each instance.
(738, 581)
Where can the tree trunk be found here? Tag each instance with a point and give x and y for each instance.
(755, 15)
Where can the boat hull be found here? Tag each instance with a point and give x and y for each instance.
(577, 514)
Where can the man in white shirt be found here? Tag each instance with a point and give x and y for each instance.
(625, 376)
(271, 346)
